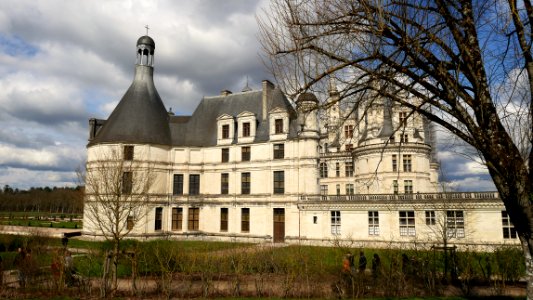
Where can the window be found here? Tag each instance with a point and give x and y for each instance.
(407, 223)
(335, 222)
(278, 126)
(349, 189)
(177, 218)
(509, 232)
(245, 183)
(338, 188)
(348, 131)
(225, 131)
(323, 190)
(130, 222)
(194, 184)
(279, 151)
(225, 154)
(246, 129)
(408, 186)
(128, 152)
(394, 163)
(403, 117)
(373, 223)
(224, 183)
(455, 224)
(348, 169)
(323, 170)
(392, 139)
(245, 219)
(337, 169)
(245, 153)
(127, 182)
(348, 147)
(158, 218)
(404, 138)
(430, 217)
(178, 184)
(315, 220)
(395, 186)
(407, 163)
(224, 219)
(279, 182)
(194, 218)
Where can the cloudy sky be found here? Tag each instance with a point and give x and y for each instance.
(62, 62)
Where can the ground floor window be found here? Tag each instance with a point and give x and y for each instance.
(158, 218)
(335, 222)
(373, 223)
(177, 218)
(509, 232)
(224, 219)
(194, 218)
(455, 224)
(245, 219)
(130, 221)
(407, 223)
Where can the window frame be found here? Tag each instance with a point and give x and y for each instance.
(224, 219)
(158, 219)
(246, 183)
(373, 223)
(278, 182)
(224, 183)
(279, 151)
(127, 183)
(509, 231)
(224, 155)
(335, 222)
(194, 185)
(246, 153)
(177, 184)
(407, 163)
(407, 222)
(225, 131)
(278, 126)
(177, 218)
(408, 186)
(455, 224)
(430, 217)
(245, 219)
(193, 219)
(128, 152)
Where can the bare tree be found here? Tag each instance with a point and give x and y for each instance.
(116, 199)
(465, 65)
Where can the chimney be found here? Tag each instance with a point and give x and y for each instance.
(267, 96)
(225, 93)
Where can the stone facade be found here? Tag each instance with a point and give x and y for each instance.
(253, 166)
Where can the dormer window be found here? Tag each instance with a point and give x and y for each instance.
(246, 123)
(246, 129)
(225, 131)
(278, 126)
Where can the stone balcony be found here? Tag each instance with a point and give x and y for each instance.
(455, 196)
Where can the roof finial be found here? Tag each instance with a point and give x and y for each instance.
(246, 88)
(147, 28)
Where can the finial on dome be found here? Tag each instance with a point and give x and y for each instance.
(147, 28)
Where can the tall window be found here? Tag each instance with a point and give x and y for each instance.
(178, 184)
(403, 117)
(430, 217)
(245, 183)
(225, 154)
(407, 163)
(246, 129)
(278, 126)
(128, 152)
(509, 232)
(394, 163)
(373, 223)
(177, 218)
(455, 223)
(337, 169)
(338, 188)
(130, 222)
(194, 184)
(127, 182)
(408, 186)
(348, 169)
(225, 131)
(395, 186)
(407, 223)
(323, 190)
(158, 218)
(194, 218)
(348, 131)
(279, 182)
(223, 219)
(349, 189)
(279, 151)
(224, 183)
(335, 222)
(245, 219)
(323, 170)
(404, 138)
(245, 153)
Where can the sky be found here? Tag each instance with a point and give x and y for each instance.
(63, 62)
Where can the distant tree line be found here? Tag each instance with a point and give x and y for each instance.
(42, 199)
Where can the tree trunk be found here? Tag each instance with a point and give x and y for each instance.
(528, 256)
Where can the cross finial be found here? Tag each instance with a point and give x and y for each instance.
(146, 29)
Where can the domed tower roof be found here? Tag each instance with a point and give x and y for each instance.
(140, 117)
